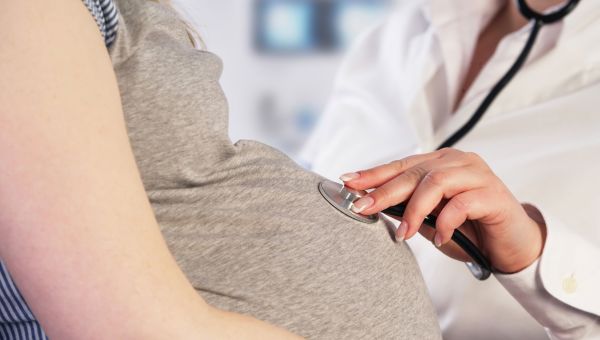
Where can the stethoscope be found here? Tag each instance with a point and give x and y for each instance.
(342, 197)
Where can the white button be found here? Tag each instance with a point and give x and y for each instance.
(570, 284)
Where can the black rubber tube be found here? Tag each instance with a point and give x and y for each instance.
(538, 21)
(500, 85)
(458, 237)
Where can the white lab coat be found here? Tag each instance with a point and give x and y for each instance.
(393, 97)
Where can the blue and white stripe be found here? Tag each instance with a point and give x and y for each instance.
(16, 319)
(17, 322)
(105, 14)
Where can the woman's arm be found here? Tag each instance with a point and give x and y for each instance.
(465, 193)
(76, 229)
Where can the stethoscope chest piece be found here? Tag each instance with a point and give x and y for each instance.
(342, 198)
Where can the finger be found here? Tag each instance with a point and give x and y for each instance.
(433, 188)
(451, 249)
(439, 207)
(399, 189)
(469, 205)
(391, 193)
(377, 176)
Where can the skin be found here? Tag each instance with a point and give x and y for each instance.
(76, 229)
(459, 187)
(508, 20)
(78, 233)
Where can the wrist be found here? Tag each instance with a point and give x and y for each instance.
(538, 219)
(532, 240)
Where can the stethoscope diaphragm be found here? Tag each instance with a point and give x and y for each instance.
(342, 199)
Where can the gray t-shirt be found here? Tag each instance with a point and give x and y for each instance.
(246, 224)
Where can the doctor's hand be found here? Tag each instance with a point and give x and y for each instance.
(464, 193)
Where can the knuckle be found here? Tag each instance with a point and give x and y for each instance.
(415, 215)
(447, 234)
(442, 227)
(445, 229)
(445, 151)
(417, 173)
(444, 222)
(383, 194)
(473, 157)
(435, 178)
(460, 204)
(399, 164)
(500, 190)
(451, 153)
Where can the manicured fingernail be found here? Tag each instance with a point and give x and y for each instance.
(437, 240)
(349, 177)
(401, 232)
(362, 204)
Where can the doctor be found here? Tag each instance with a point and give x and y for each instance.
(417, 78)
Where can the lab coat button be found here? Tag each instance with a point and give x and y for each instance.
(569, 284)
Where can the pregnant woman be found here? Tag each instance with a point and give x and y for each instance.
(107, 142)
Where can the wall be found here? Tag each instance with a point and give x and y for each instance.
(273, 98)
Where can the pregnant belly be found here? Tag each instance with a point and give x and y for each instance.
(257, 238)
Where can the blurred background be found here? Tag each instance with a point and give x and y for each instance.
(280, 59)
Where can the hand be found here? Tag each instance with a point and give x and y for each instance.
(464, 193)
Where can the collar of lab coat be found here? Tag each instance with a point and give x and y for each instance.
(443, 12)
(562, 67)
(453, 28)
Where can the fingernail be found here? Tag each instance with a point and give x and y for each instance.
(437, 240)
(401, 232)
(349, 177)
(362, 204)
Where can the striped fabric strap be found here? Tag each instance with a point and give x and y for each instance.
(16, 319)
(105, 14)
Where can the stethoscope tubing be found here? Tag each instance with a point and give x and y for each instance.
(549, 18)
(457, 236)
(496, 90)
(538, 20)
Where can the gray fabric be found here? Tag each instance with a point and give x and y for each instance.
(246, 224)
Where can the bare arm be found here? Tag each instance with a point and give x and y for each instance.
(76, 229)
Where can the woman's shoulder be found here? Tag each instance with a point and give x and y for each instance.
(105, 14)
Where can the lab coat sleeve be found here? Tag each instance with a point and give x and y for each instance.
(561, 290)
(338, 145)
